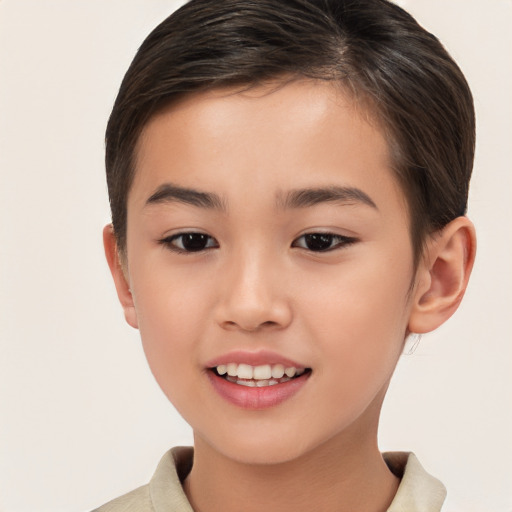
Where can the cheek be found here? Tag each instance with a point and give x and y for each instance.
(172, 310)
(168, 297)
(359, 317)
(358, 338)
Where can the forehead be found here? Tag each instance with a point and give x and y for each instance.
(265, 136)
(305, 102)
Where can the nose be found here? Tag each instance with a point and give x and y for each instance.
(254, 296)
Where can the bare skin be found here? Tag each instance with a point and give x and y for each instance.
(266, 227)
(338, 476)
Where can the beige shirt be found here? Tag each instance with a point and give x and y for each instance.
(418, 491)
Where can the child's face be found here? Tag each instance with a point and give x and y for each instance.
(300, 256)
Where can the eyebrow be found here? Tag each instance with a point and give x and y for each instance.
(300, 198)
(306, 197)
(169, 193)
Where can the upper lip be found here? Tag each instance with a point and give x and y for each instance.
(256, 358)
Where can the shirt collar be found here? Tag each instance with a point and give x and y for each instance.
(418, 491)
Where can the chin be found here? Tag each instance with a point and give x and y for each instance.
(265, 455)
(257, 449)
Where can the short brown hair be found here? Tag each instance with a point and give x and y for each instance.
(415, 89)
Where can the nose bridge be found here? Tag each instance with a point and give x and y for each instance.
(253, 295)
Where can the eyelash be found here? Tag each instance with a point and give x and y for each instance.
(341, 241)
(169, 242)
(318, 237)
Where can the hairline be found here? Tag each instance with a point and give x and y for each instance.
(361, 101)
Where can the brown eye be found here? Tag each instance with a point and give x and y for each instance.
(322, 242)
(190, 242)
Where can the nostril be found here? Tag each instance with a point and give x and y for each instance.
(228, 324)
(251, 315)
(249, 327)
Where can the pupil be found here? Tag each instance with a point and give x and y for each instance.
(318, 242)
(194, 241)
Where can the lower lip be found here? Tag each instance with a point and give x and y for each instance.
(254, 397)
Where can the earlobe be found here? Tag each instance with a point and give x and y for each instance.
(119, 275)
(443, 275)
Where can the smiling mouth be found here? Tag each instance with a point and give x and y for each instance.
(258, 376)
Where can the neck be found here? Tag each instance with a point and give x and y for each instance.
(338, 476)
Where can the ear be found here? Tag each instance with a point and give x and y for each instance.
(119, 274)
(442, 275)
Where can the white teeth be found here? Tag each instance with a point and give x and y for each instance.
(262, 372)
(277, 371)
(290, 372)
(263, 375)
(248, 383)
(244, 371)
(232, 369)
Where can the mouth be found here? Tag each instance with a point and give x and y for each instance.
(261, 376)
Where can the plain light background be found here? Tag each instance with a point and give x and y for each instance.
(81, 419)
